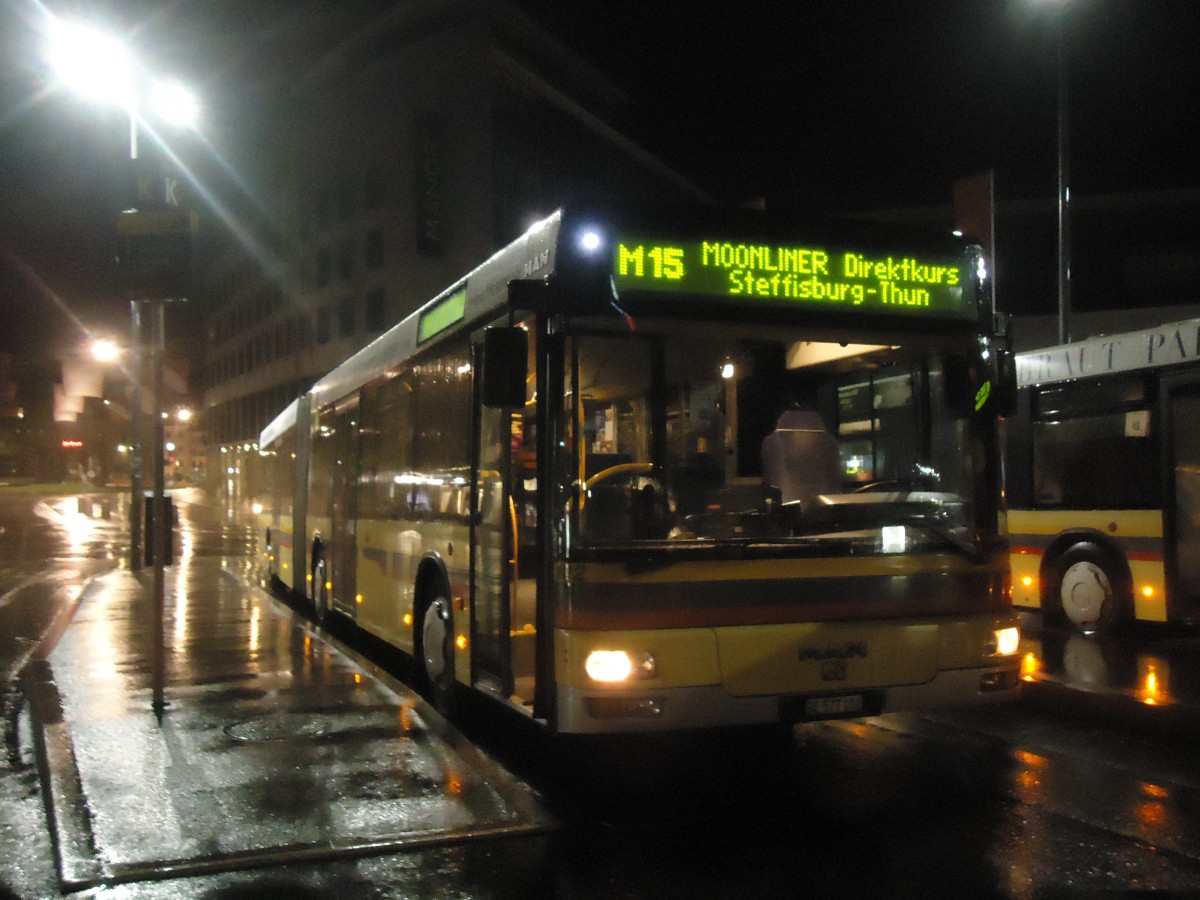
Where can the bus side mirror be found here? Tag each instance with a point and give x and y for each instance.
(971, 386)
(505, 366)
(1006, 398)
(959, 386)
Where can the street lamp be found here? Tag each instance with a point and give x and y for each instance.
(95, 64)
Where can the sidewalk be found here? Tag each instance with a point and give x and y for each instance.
(274, 745)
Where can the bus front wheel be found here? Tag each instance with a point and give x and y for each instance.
(436, 654)
(1087, 592)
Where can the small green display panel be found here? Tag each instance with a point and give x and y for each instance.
(442, 315)
(797, 275)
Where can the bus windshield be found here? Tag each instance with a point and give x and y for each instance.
(693, 435)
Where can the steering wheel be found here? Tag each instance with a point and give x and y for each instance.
(634, 468)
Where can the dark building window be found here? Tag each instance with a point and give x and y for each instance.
(373, 187)
(346, 317)
(345, 259)
(324, 264)
(375, 310)
(345, 201)
(325, 324)
(374, 249)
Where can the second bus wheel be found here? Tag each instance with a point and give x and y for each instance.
(435, 656)
(1088, 590)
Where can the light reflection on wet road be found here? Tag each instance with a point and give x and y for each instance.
(999, 802)
(1156, 664)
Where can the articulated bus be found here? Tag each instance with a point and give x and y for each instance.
(667, 472)
(1104, 479)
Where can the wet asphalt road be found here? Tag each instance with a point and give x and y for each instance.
(997, 802)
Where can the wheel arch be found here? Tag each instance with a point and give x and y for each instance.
(432, 576)
(1074, 537)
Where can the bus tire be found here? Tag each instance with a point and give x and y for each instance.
(435, 653)
(1087, 591)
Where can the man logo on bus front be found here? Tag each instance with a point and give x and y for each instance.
(833, 658)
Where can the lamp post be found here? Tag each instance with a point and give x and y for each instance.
(94, 64)
(1064, 188)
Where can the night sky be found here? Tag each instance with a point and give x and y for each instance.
(837, 106)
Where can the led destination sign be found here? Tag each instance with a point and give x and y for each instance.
(796, 275)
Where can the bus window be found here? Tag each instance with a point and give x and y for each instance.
(1093, 461)
(618, 485)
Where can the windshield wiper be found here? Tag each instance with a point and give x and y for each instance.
(888, 513)
(940, 529)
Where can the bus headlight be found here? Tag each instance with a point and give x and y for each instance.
(611, 666)
(1004, 642)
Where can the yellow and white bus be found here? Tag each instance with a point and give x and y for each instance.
(1103, 479)
(640, 473)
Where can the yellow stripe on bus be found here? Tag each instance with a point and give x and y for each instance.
(1117, 522)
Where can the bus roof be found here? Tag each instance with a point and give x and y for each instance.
(1162, 345)
(481, 293)
(280, 425)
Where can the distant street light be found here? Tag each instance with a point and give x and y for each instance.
(105, 351)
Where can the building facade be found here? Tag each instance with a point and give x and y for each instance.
(400, 159)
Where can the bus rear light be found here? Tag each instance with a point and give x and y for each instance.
(1004, 642)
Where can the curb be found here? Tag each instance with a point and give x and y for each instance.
(67, 813)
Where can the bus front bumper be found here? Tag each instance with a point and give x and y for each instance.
(711, 706)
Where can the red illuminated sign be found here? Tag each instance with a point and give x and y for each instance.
(68, 444)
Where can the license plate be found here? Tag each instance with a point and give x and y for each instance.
(833, 706)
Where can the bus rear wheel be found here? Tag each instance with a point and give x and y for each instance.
(1087, 592)
(435, 656)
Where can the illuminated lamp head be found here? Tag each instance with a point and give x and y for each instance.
(590, 240)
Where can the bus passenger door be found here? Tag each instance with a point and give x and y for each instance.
(1181, 500)
(504, 554)
(343, 552)
(491, 551)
